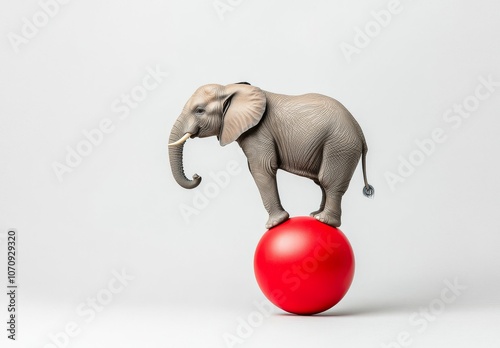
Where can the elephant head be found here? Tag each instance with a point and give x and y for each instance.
(223, 111)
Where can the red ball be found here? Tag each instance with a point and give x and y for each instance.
(304, 266)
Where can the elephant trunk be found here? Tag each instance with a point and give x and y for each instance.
(175, 152)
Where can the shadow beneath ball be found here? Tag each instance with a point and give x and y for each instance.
(361, 310)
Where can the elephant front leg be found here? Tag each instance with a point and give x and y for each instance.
(268, 188)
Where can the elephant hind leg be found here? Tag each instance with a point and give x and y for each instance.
(332, 213)
(323, 200)
(334, 177)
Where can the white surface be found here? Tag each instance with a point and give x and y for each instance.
(362, 326)
(119, 209)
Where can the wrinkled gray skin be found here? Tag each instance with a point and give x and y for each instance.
(310, 135)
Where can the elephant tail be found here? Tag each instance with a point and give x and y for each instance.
(368, 190)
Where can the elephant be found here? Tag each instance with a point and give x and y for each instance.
(310, 135)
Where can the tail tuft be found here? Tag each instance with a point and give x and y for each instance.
(368, 191)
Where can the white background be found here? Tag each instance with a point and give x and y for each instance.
(119, 209)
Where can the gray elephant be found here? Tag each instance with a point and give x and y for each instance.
(310, 135)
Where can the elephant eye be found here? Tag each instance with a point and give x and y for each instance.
(199, 111)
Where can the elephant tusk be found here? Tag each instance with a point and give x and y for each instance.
(181, 140)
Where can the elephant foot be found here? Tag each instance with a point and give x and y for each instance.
(328, 219)
(276, 219)
(316, 212)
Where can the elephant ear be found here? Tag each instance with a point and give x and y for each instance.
(243, 108)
